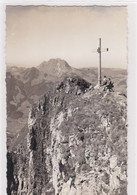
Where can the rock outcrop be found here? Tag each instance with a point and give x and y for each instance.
(76, 144)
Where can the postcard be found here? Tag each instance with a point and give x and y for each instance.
(66, 99)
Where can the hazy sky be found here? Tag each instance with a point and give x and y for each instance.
(39, 33)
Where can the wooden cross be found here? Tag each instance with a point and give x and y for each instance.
(99, 50)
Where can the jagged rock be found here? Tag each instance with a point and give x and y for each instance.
(75, 85)
(76, 144)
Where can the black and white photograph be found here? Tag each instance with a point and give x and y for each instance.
(66, 89)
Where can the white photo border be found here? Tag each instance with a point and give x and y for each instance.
(132, 80)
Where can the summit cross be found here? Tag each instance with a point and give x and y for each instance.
(99, 50)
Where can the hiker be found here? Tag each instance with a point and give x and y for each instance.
(105, 82)
(110, 85)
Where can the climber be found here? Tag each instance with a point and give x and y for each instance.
(110, 85)
(105, 82)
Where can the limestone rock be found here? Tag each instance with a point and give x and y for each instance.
(75, 144)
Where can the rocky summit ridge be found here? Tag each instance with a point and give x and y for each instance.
(25, 86)
(75, 143)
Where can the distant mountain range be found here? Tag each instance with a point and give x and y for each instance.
(26, 85)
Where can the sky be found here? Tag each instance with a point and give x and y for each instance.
(38, 33)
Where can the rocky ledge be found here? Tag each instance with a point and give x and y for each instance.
(75, 143)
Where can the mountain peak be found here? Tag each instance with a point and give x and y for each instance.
(55, 67)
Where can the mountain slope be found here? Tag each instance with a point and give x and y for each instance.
(26, 85)
(76, 144)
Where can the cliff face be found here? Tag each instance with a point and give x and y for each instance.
(76, 144)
